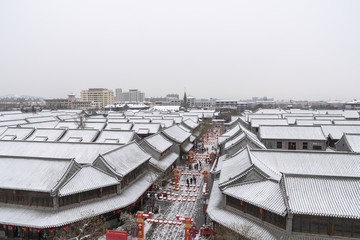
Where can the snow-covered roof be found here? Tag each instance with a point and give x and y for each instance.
(217, 211)
(86, 179)
(164, 122)
(116, 136)
(164, 163)
(84, 153)
(41, 119)
(46, 134)
(229, 134)
(186, 147)
(126, 158)
(264, 194)
(17, 134)
(140, 121)
(166, 108)
(158, 142)
(234, 141)
(190, 124)
(270, 111)
(31, 174)
(118, 120)
(193, 118)
(249, 117)
(39, 218)
(176, 134)
(353, 141)
(177, 119)
(310, 162)
(234, 166)
(119, 126)
(346, 122)
(312, 122)
(68, 125)
(50, 124)
(323, 196)
(291, 132)
(94, 125)
(152, 128)
(336, 131)
(79, 135)
(13, 123)
(256, 122)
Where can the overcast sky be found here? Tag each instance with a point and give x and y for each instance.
(224, 49)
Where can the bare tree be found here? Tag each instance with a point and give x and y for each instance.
(129, 222)
(235, 232)
(86, 229)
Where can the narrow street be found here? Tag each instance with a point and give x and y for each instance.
(187, 202)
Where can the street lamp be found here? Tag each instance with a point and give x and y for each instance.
(204, 206)
(152, 197)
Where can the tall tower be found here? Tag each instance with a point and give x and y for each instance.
(185, 103)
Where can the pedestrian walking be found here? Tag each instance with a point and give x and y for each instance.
(191, 180)
(187, 182)
(194, 180)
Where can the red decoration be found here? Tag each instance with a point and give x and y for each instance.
(51, 229)
(127, 207)
(242, 203)
(65, 227)
(24, 228)
(261, 211)
(101, 190)
(11, 226)
(38, 230)
(118, 211)
(30, 229)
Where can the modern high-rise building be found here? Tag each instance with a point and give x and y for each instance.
(133, 96)
(98, 95)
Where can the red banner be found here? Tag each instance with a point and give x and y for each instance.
(115, 235)
(204, 232)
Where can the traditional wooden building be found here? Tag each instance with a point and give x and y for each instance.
(293, 137)
(38, 194)
(269, 194)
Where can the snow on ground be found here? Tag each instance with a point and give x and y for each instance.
(184, 209)
(169, 210)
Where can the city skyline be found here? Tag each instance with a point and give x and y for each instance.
(232, 50)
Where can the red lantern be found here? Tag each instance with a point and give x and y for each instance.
(51, 229)
(24, 228)
(11, 226)
(261, 211)
(65, 227)
(118, 211)
(242, 203)
(38, 230)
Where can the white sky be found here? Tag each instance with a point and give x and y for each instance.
(226, 49)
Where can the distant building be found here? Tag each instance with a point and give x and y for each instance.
(173, 96)
(354, 105)
(68, 103)
(98, 95)
(133, 96)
